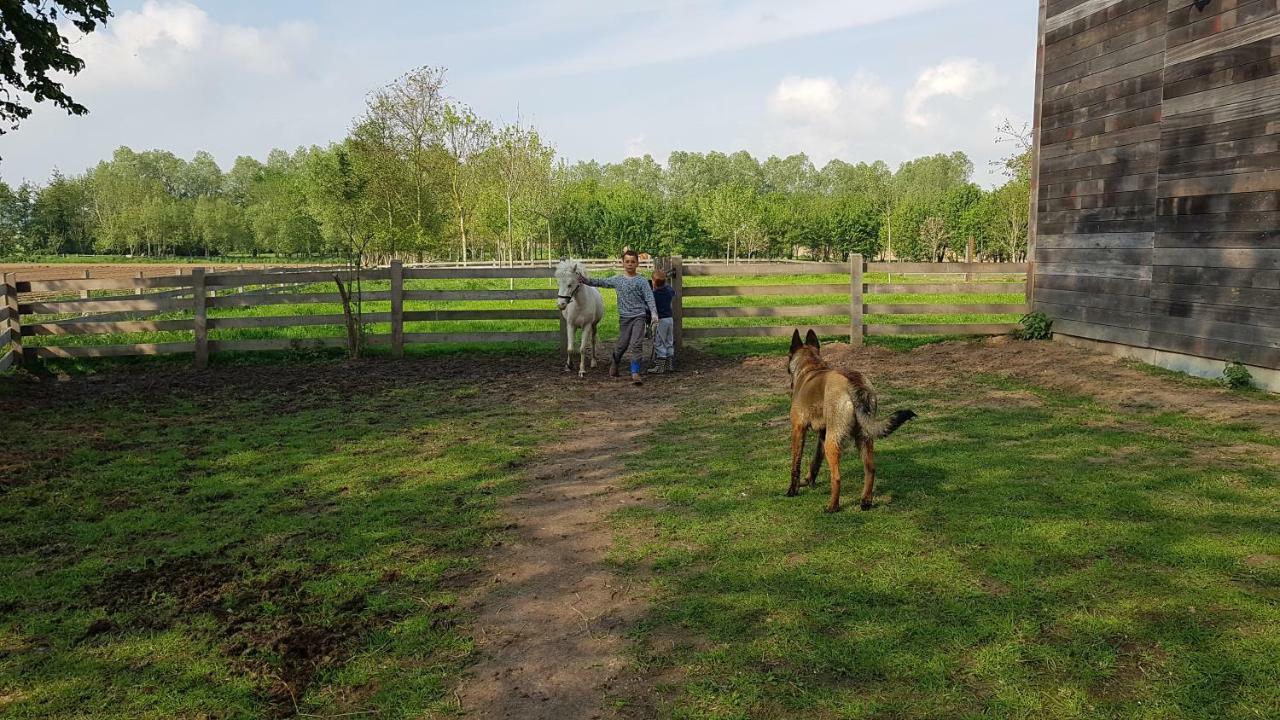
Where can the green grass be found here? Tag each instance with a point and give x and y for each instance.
(1032, 554)
(608, 328)
(231, 551)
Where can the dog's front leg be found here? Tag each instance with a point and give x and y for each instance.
(797, 449)
(832, 449)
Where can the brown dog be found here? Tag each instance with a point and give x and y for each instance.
(839, 405)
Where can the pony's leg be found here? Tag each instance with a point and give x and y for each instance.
(594, 326)
(582, 353)
(568, 352)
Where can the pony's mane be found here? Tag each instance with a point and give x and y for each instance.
(569, 268)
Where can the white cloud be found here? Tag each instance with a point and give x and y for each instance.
(165, 43)
(635, 147)
(824, 117)
(663, 32)
(961, 78)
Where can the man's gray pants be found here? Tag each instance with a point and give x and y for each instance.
(630, 339)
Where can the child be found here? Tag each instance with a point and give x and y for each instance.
(663, 338)
(635, 306)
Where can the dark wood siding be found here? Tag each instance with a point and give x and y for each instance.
(1157, 186)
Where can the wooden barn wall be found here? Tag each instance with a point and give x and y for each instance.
(1157, 191)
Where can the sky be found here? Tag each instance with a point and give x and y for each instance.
(858, 80)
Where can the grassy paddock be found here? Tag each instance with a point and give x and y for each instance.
(1032, 554)
(250, 554)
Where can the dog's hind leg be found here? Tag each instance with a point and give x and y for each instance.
(816, 464)
(867, 448)
(797, 449)
(832, 449)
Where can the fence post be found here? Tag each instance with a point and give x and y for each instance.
(201, 317)
(138, 290)
(84, 294)
(677, 303)
(397, 309)
(855, 300)
(14, 322)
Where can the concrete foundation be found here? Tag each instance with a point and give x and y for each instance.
(1265, 378)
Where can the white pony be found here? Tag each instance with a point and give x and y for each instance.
(582, 307)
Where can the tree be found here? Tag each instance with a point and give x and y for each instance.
(466, 137)
(29, 29)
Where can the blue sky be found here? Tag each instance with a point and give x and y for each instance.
(856, 79)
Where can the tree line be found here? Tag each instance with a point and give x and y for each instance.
(422, 176)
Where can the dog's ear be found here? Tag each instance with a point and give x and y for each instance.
(795, 341)
(811, 339)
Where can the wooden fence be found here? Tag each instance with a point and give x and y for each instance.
(138, 300)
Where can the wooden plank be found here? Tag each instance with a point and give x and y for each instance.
(1176, 75)
(92, 351)
(1107, 333)
(13, 320)
(856, 290)
(732, 290)
(1100, 270)
(472, 272)
(1124, 183)
(1134, 166)
(1079, 115)
(1118, 256)
(279, 344)
(753, 269)
(1083, 10)
(397, 309)
(1094, 285)
(1105, 94)
(6, 338)
(947, 268)
(200, 322)
(1154, 45)
(1221, 96)
(1105, 156)
(1174, 156)
(763, 331)
(1132, 136)
(551, 336)
(1218, 258)
(1262, 109)
(1223, 78)
(676, 275)
(773, 311)
(1235, 37)
(1268, 317)
(1111, 316)
(284, 298)
(1230, 222)
(942, 308)
(1241, 129)
(1133, 37)
(299, 278)
(506, 314)
(1120, 212)
(1126, 303)
(1101, 27)
(127, 303)
(1101, 200)
(1215, 330)
(1221, 166)
(1222, 184)
(1265, 239)
(78, 327)
(1101, 226)
(7, 359)
(941, 329)
(1217, 349)
(49, 286)
(1128, 70)
(942, 288)
(292, 321)
(450, 295)
(1216, 295)
(1097, 240)
(1209, 24)
(1227, 277)
(1103, 125)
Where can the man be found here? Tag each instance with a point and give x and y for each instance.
(635, 306)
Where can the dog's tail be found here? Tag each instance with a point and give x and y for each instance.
(864, 404)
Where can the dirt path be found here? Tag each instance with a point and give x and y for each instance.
(551, 617)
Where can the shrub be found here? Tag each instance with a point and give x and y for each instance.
(1034, 326)
(1236, 376)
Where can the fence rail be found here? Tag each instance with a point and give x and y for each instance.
(849, 308)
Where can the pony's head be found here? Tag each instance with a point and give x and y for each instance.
(567, 284)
